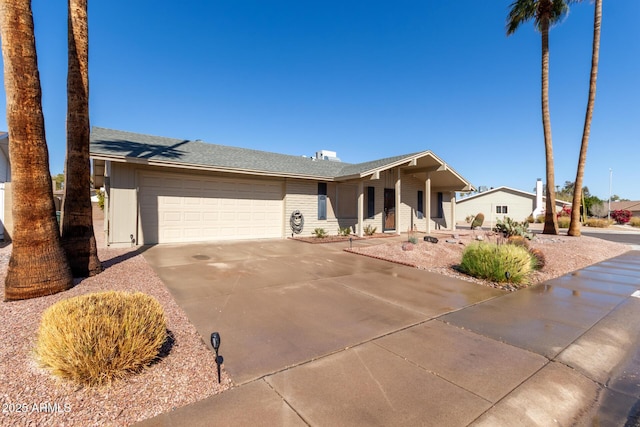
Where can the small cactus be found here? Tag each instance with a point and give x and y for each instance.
(477, 221)
(518, 240)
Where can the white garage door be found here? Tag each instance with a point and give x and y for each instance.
(182, 208)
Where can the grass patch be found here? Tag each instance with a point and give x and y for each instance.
(598, 222)
(96, 338)
(497, 263)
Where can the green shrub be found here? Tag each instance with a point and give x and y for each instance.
(96, 338)
(369, 230)
(598, 223)
(564, 221)
(498, 263)
(344, 231)
(320, 233)
(634, 221)
(413, 239)
(540, 219)
(509, 228)
(477, 221)
(100, 196)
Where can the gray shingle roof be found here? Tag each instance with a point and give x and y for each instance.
(127, 145)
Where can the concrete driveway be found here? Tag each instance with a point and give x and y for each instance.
(280, 303)
(312, 335)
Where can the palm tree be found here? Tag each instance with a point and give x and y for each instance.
(544, 13)
(38, 265)
(78, 239)
(574, 226)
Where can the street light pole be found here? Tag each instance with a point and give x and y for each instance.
(609, 210)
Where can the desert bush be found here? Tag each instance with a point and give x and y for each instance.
(634, 221)
(538, 257)
(530, 219)
(599, 210)
(344, 231)
(518, 241)
(477, 221)
(509, 228)
(100, 195)
(369, 230)
(564, 221)
(96, 338)
(598, 223)
(621, 216)
(498, 263)
(320, 233)
(540, 219)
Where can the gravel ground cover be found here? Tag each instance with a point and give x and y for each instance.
(30, 396)
(563, 254)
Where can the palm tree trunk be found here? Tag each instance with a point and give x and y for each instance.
(574, 227)
(38, 265)
(550, 219)
(78, 239)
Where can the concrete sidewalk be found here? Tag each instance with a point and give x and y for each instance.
(316, 336)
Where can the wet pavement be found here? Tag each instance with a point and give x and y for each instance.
(313, 335)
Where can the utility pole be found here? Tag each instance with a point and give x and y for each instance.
(610, 178)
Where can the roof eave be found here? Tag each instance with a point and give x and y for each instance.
(193, 166)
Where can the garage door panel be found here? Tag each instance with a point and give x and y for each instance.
(178, 208)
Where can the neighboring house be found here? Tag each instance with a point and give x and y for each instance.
(5, 179)
(162, 190)
(501, 202)
(633, 206)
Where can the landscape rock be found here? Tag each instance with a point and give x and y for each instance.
(406, 246)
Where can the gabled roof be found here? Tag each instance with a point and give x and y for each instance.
(120, 146)
(629, 205)
(508, 190)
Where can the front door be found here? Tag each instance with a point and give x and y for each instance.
(389, 209)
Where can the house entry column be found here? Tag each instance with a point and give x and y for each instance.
(453, 210)
(427, 204)
(398, 199)
(360, 208)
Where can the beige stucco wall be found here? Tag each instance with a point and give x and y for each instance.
(8, 215)
(302, 195)
(519, 207)
(121, 210)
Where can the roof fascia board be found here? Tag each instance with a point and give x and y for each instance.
(494, 190)
(405, 161)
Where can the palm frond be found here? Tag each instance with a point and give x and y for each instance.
(520, 11)
(559, 8)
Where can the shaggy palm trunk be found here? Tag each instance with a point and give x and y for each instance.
(550, 219)
(38, 265)
(574, 227)
(78, 239)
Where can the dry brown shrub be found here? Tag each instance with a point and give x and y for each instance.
(96, 338)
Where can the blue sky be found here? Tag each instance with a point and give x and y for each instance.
(368, 79)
